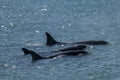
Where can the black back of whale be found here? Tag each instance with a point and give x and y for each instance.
(78, 47)
(35, 56)
(70, 53)
(51, 41)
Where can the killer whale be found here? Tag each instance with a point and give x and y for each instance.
(78, 47)
(36, 57)
(51, 41)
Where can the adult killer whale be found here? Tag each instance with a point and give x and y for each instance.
(51, 41)
(36, 57)
(78, 47)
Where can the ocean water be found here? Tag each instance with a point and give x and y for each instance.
(23, 23)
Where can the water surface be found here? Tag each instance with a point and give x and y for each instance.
(23, 23)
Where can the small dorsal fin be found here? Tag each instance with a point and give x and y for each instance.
(26, 51)
(34, 55)
(50, 39)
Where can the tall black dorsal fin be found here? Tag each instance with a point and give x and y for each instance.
(50, 39)
(34, 55)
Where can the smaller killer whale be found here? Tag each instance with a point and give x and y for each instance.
(51, 41)
(36, 57)
(78, 47)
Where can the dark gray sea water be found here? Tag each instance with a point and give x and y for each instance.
(23, 23)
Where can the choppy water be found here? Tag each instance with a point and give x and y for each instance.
(24, 22)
